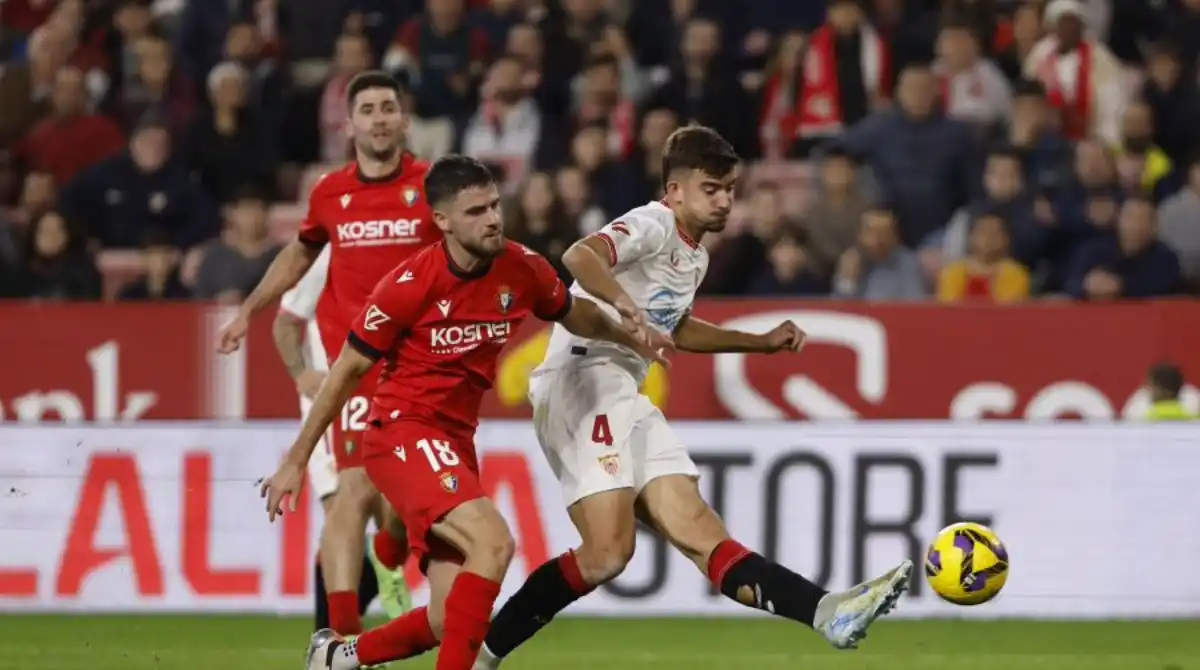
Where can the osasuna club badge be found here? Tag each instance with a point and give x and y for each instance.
(409, 195)
(505, 299)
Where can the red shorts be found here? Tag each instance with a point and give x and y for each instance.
(424, 472)
(349, 429)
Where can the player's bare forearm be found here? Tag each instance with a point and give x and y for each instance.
(288, 332)
(288, 267)
(343, 378)
(701, 337)
(587, 320)
(587, 260)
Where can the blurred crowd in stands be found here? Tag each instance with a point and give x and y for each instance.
(982, 150)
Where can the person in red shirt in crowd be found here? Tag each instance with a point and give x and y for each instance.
(374, 214)
(438, 322)
(70, 139)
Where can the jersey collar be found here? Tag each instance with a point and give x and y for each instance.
(406, 161)
(687, 239)
(474, 273)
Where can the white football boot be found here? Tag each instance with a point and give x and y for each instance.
(843, 617)
(319, 648)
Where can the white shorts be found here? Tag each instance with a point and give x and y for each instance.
(322, 470)
(599, 433)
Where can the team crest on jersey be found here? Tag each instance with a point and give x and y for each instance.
(409, 195)
(504, 299)
(449, 482)
(610, 463)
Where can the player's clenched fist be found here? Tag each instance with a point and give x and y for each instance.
(787, 336)
(233, 333)
(285, 483)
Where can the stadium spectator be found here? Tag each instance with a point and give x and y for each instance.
(742, 264)
(161, 279)
(352, 55)
(56, 264)
(576, 195)
(525, 44)
(234, 263)
(879, 267)
(119, 199)
(1181, 23)
(25, 87)
(1179, 225)
(705, 90)
(69, 138)
(201, 35)
(1045, 153)
(1131, 264)
(589, 153)
(1005, 196)
(1142, 167)
(508, 129)
(840, 199)
(923, 161)
(265, 84)
(639, 178)
(988, 272)
(789, 270)
(1025, 31)
(229, 144)
(157, 88)
(1175, 103)
(131, 21)
(973, 89)
(1083, 79)
(442, 56)
(569, 35)
(497, 18)
(607, 92)
(845, 73)
(309, 28)
(537, 220)
(781, 93)
(37, 196)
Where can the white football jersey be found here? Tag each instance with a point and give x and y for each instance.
(301, 302)
(657, 265)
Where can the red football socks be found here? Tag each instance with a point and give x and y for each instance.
(398, 639)
(468, 611)
(389, 550)
(343, 612)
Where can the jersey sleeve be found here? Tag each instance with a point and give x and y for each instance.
(392, 310)
(552, 300)
(632, 238)
(312, 229)
(301, 300)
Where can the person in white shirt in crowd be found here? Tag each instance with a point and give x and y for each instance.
(974, 90)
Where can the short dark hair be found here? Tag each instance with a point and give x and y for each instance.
(1005, 151)
(1166, 376)
(371, 79)
(602, 60)
(453, 174)
(247, 193)
(697, 148)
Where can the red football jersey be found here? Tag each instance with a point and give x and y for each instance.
(439, 330)
(373, 225)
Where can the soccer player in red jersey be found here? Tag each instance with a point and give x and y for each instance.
(438, 322)
(374, 215)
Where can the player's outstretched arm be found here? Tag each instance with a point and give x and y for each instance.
(339, 385)
(587, 320)
(288, 267)
(588, 262)
(701, 337)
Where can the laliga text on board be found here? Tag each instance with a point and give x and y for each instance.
(165, 516)
(113, 363)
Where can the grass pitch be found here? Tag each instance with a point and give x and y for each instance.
(263, 643)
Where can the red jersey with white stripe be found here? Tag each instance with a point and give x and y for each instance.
(372, 226)
(660, 268)
(439, 330)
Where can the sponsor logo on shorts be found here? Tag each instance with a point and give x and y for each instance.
(376, 233)
(449, 482)
(610, 463)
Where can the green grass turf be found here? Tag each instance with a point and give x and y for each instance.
(261, 643)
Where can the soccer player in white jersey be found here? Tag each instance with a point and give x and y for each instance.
(612, 450)
(298, 342)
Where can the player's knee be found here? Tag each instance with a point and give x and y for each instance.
(491, 543)
(603, 558)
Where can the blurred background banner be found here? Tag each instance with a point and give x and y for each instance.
(166, 515)
(1050, 361)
